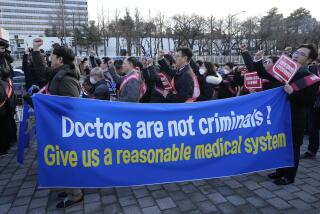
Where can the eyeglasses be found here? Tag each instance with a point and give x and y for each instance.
(267, 61)
(300, 53)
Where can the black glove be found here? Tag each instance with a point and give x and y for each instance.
(27, 98)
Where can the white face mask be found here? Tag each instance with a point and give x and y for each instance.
(225, 71)
(92, 80)
(202, 70)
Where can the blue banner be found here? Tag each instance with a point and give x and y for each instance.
(93, 143)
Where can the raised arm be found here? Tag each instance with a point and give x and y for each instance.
(164, 66)
(41, 72)
(115, 76)
(195, 67)
(248, 61)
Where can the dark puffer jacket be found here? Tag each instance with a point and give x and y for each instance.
(63, 81)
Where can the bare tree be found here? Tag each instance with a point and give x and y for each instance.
(205, 35)
(103, 23)
(126, 25)
(59, 23)
(160, 25)
(117, 14)
(187, 29)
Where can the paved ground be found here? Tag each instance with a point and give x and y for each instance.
(253, 193)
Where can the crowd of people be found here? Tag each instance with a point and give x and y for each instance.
(166, 78)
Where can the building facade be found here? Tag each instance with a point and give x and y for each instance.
(32, 17)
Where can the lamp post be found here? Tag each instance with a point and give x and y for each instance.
(230, 31)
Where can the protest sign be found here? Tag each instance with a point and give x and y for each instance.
(252, 81)
(285, 68)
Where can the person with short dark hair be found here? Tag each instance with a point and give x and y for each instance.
(62, 80)
(185, 52)
(139, 65)
(84, 67)
(183, 78)
(199, 63)
(105, 61)
(300, 100)
(313, 54)
(62, 77)
(132, 60)
(229, 66)
(118, 64)
(129, 85)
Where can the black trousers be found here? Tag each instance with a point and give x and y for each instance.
(313, 129)
(13, 128)
(298, 116)
(5, 133)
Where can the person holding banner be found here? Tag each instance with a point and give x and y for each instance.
(63, 80)
(313, 119)
(302, 93)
